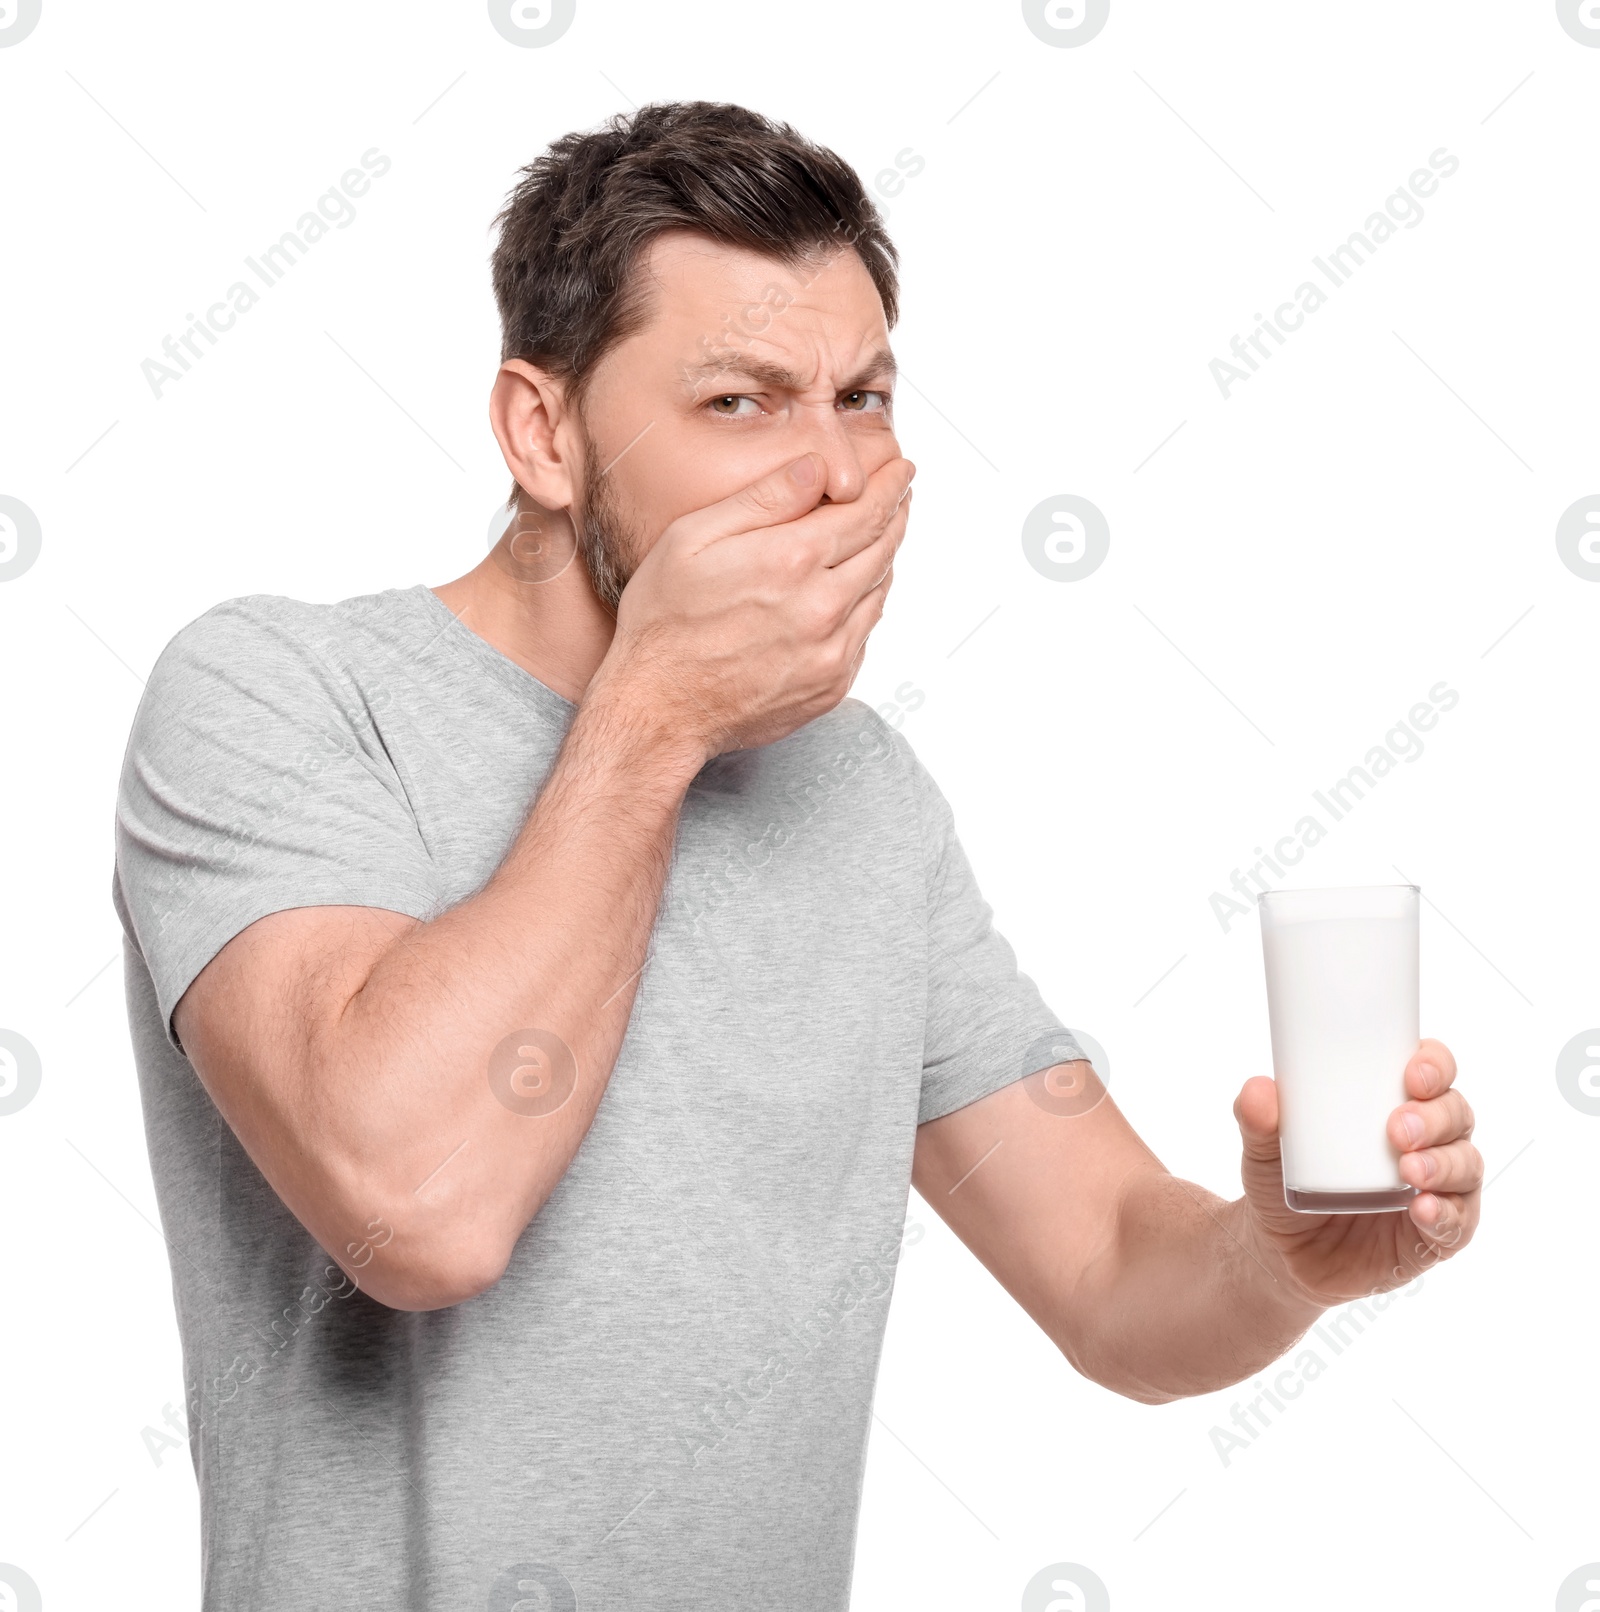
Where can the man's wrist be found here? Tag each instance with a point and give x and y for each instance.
(623, 720)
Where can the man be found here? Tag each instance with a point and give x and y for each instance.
(546, 987)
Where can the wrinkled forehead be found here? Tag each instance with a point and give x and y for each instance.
(819, 317)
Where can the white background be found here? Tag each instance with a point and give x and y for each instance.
(1372, 513)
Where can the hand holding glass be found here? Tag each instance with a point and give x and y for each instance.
(1343, 1003)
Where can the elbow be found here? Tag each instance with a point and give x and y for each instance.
(1129, 1386)
(1144, 1394)
(1105, 1367)
(1123, 1377)
(409, 1257)
(429, 1279)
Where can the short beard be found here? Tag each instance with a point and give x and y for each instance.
(606, 540)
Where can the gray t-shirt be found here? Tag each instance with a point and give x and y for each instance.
(665, 1401)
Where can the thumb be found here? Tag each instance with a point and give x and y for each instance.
(1261, 1169)
(1256, 1110)
(784, 494)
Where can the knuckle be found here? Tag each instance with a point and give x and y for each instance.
(817, 617)
(816, 549)
(797, 560)
(884, 511)
(764, 498)
(788, 566)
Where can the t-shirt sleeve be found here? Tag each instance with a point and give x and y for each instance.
(986, 1024)
(255, 780)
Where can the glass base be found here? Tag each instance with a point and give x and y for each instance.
(1348, 1203)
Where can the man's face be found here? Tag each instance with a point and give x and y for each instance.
(743, 365)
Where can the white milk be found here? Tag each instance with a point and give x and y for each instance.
(1342, 999)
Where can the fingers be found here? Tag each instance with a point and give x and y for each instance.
(1446, 1221)
(862, 617)
(856, 577)
(1431, 1071)
(846, 529)
(860, 585)
(1455, 1167)
(775, 499)
(1433, 1132)
(862, 582)
(1426, 1124)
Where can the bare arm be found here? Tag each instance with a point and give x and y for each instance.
(1141, 1280)
(369, 1063)
(350, 1049)
(1153, 1286)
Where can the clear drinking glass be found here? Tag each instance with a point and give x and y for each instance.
(1343, 1003)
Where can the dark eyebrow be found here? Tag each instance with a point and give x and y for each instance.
(880, 366)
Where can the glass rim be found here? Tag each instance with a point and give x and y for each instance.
(1331, 890)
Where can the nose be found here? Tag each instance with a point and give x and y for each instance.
(824, 431)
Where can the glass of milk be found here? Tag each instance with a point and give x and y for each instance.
(1342, 1000)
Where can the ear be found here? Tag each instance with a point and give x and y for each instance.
(534, 427)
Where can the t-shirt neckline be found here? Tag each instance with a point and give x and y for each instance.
(516, 678)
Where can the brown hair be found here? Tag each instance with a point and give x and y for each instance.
(584, 211)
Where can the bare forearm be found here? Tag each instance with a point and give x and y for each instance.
(1184, 1300)
(459, 1148)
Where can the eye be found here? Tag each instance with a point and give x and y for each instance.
(865, 402)
(728, 405)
